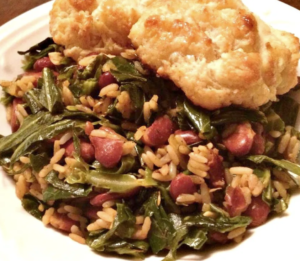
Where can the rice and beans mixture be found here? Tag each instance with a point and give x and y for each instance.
(120, 160)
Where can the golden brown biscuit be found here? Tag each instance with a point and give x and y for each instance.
(216, 51)
(94, 25)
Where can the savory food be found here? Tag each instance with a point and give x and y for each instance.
(217, 52)
(119, 159)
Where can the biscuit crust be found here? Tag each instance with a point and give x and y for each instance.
(216, 51)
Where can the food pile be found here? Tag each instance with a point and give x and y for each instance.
(121, 160)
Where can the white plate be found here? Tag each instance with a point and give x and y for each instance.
(23, 238)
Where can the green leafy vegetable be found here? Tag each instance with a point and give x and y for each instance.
(50, 94)
(38, 161)
(32, 98)
(123, 227)
(6, 99)
(275, 123)
(198, 117)
(287, 108)
(38, 47)
(125, 70)
(233, 115)
(31, 205)
(221, 224)
(127, 164)
(115, 183)
(295, 168)
(161, 232)
(62, 190)
(43, 134)
(137, 98)
(38, 51)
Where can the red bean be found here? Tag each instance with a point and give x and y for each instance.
(89, 127)
(42, 63)
(91, 212)
(159, 132)
(182, 184)
(235, 201)
(216, 171)
(101, 198)
(258, 210)
(107, 151)
(218, 237)
(240, 141)
(258, 146)
(87, 151)
(189, 136)
(106, 79)
(62, 222)
(14, 122)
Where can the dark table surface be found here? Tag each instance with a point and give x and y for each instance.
(13, 8)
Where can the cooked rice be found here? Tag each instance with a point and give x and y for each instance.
(113, 87)
(128, 147)
(24, 160)
(48, 214)
(142, 233)
(240, 171)
(87, 60)
(83, 109)
(77, 238)
(280, 189)
(21, 187)
(22, 111)
(41, 208)
(67, 95)
(236, 232)
(57, 156)
(124, 105)
(139, 220)
(72, 209)
(109, 203)
(105, 216)
(55, 57)
(140, 133)
(20, 117)
(129, 54)
(209, 214)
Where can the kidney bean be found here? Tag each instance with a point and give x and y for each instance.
(87, 151)
(107, 151)
(240, 141)
(218, 237)
(14, 122)
(91, 212)
(235, 201)
(216, 171)
(42, 63)
(106, 79)
(189, 136)
(182, 184)
(101, 198)
(258, 210)
(259, 140)
(89, 127)
(62, 222)
(159, 132)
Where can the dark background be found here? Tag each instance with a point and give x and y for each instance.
(12, 8)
